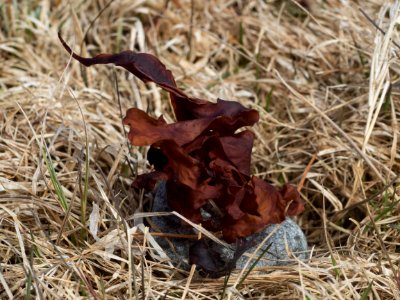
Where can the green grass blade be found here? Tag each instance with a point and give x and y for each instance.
(268, 99)
(253, 265)
(53, 177)
(28, 286)
(36, 249)
(84, 195)
(226, 279)
(364, 295)
(334, 263)
(49, 165)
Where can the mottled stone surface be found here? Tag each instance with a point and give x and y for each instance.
(177, 249)
(287, 240)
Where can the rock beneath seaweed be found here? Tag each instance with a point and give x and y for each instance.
(286, 243)
(177, 249)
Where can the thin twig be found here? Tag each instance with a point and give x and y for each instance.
(306, 170)
(369, 199)
(376, 26)
(191, 28)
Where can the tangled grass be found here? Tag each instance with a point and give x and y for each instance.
(324, 78)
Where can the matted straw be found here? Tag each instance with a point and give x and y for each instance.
(324, 79)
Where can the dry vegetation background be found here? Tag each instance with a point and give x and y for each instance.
(323, 78)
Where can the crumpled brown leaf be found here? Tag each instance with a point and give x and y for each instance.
(201, 156)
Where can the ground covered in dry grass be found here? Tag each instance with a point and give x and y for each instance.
(322, 76)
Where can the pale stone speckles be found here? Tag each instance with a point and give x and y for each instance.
(287, 241)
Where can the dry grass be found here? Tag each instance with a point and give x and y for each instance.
(325, 83)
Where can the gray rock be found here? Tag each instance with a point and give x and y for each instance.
(177, 249)
(286, 242)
